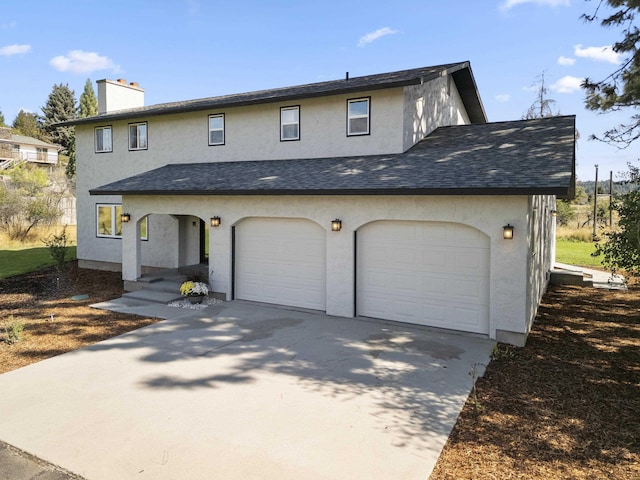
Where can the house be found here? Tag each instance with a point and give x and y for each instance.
(18, 148)
(387, 196)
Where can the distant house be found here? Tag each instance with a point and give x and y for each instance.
(16, 148)
(387, 196)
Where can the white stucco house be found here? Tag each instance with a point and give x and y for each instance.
(16, 148)
(387, 196)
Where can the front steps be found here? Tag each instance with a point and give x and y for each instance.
(162, 286)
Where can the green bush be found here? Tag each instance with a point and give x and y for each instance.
(12, 330)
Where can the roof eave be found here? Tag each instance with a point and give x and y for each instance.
(511, 191)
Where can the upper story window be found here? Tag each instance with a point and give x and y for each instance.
(138, 136)
(289, 123)
(216, 129)
(103, 140)
(358, 116)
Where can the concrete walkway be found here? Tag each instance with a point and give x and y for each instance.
(241, 391)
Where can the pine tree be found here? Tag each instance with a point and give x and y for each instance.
(26, 123)
(2, 124)
(60, 107)
(621, 89)
(543, 105)
(88, 101)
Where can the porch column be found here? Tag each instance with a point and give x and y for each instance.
(220, 254)
(131, 251)
(340, 286)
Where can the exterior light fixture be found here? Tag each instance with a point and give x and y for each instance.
(336, 225)
(215, 221)
(125, 217)
(507, 232)
(554, 213)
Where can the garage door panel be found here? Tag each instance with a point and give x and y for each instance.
(281, 261)
(428, 273)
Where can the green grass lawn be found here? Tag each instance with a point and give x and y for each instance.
(577, 253)
(17, 262)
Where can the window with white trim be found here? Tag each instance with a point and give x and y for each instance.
(358, 118)
(138, 136)
(103, 139)
(289, 123)
(109, 222)
(216, 129)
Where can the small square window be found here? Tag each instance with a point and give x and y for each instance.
(103, 140)
(138, 136)
(289, 123)
(358, 117)
(216, 129)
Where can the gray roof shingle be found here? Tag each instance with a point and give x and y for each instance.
(461, 73)
(519, 157)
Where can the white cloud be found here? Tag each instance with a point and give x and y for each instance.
(566, 61)
(14, 50)
(503, 98)
(600, 54)
(11, 24)
(567, 84)
(509, 4)
(373, 36)
(77, 61)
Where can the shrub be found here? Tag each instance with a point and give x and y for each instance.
(12, 330)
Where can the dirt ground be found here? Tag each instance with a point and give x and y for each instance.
(565, 406)
(54, 323)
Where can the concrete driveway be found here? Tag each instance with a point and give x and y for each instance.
(244, 391)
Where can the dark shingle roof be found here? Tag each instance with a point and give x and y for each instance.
(461, 73)
(520, 157)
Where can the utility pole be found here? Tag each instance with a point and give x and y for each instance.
(595, 207)
(610, 198)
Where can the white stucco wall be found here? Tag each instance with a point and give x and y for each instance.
(251, 133)
(429, 106)
(508, 258)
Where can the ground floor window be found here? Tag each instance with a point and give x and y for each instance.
(109, 222)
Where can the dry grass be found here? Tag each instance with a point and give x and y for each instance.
(36, 236)
(565, 406)
(54, 323)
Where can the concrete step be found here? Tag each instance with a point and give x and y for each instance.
(162, 285)
(153, 296)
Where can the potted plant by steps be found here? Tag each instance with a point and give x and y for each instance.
(194, 291)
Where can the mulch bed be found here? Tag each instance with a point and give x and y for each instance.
(567, 405)
(54, 322)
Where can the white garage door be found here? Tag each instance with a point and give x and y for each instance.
(428, 273)
(281, 261)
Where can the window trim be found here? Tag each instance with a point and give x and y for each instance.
(368, 116)
(95, 138)
(114, 221)
(137, 124)
(283, 109)
(209, 130)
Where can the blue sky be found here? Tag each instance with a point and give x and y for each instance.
(186, 49)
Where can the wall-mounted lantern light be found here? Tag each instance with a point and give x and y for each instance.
(554, 213)
(336, 225)
(125, 217)
(507, 232)
(215, 221)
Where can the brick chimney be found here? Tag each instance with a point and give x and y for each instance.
(118, 95)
